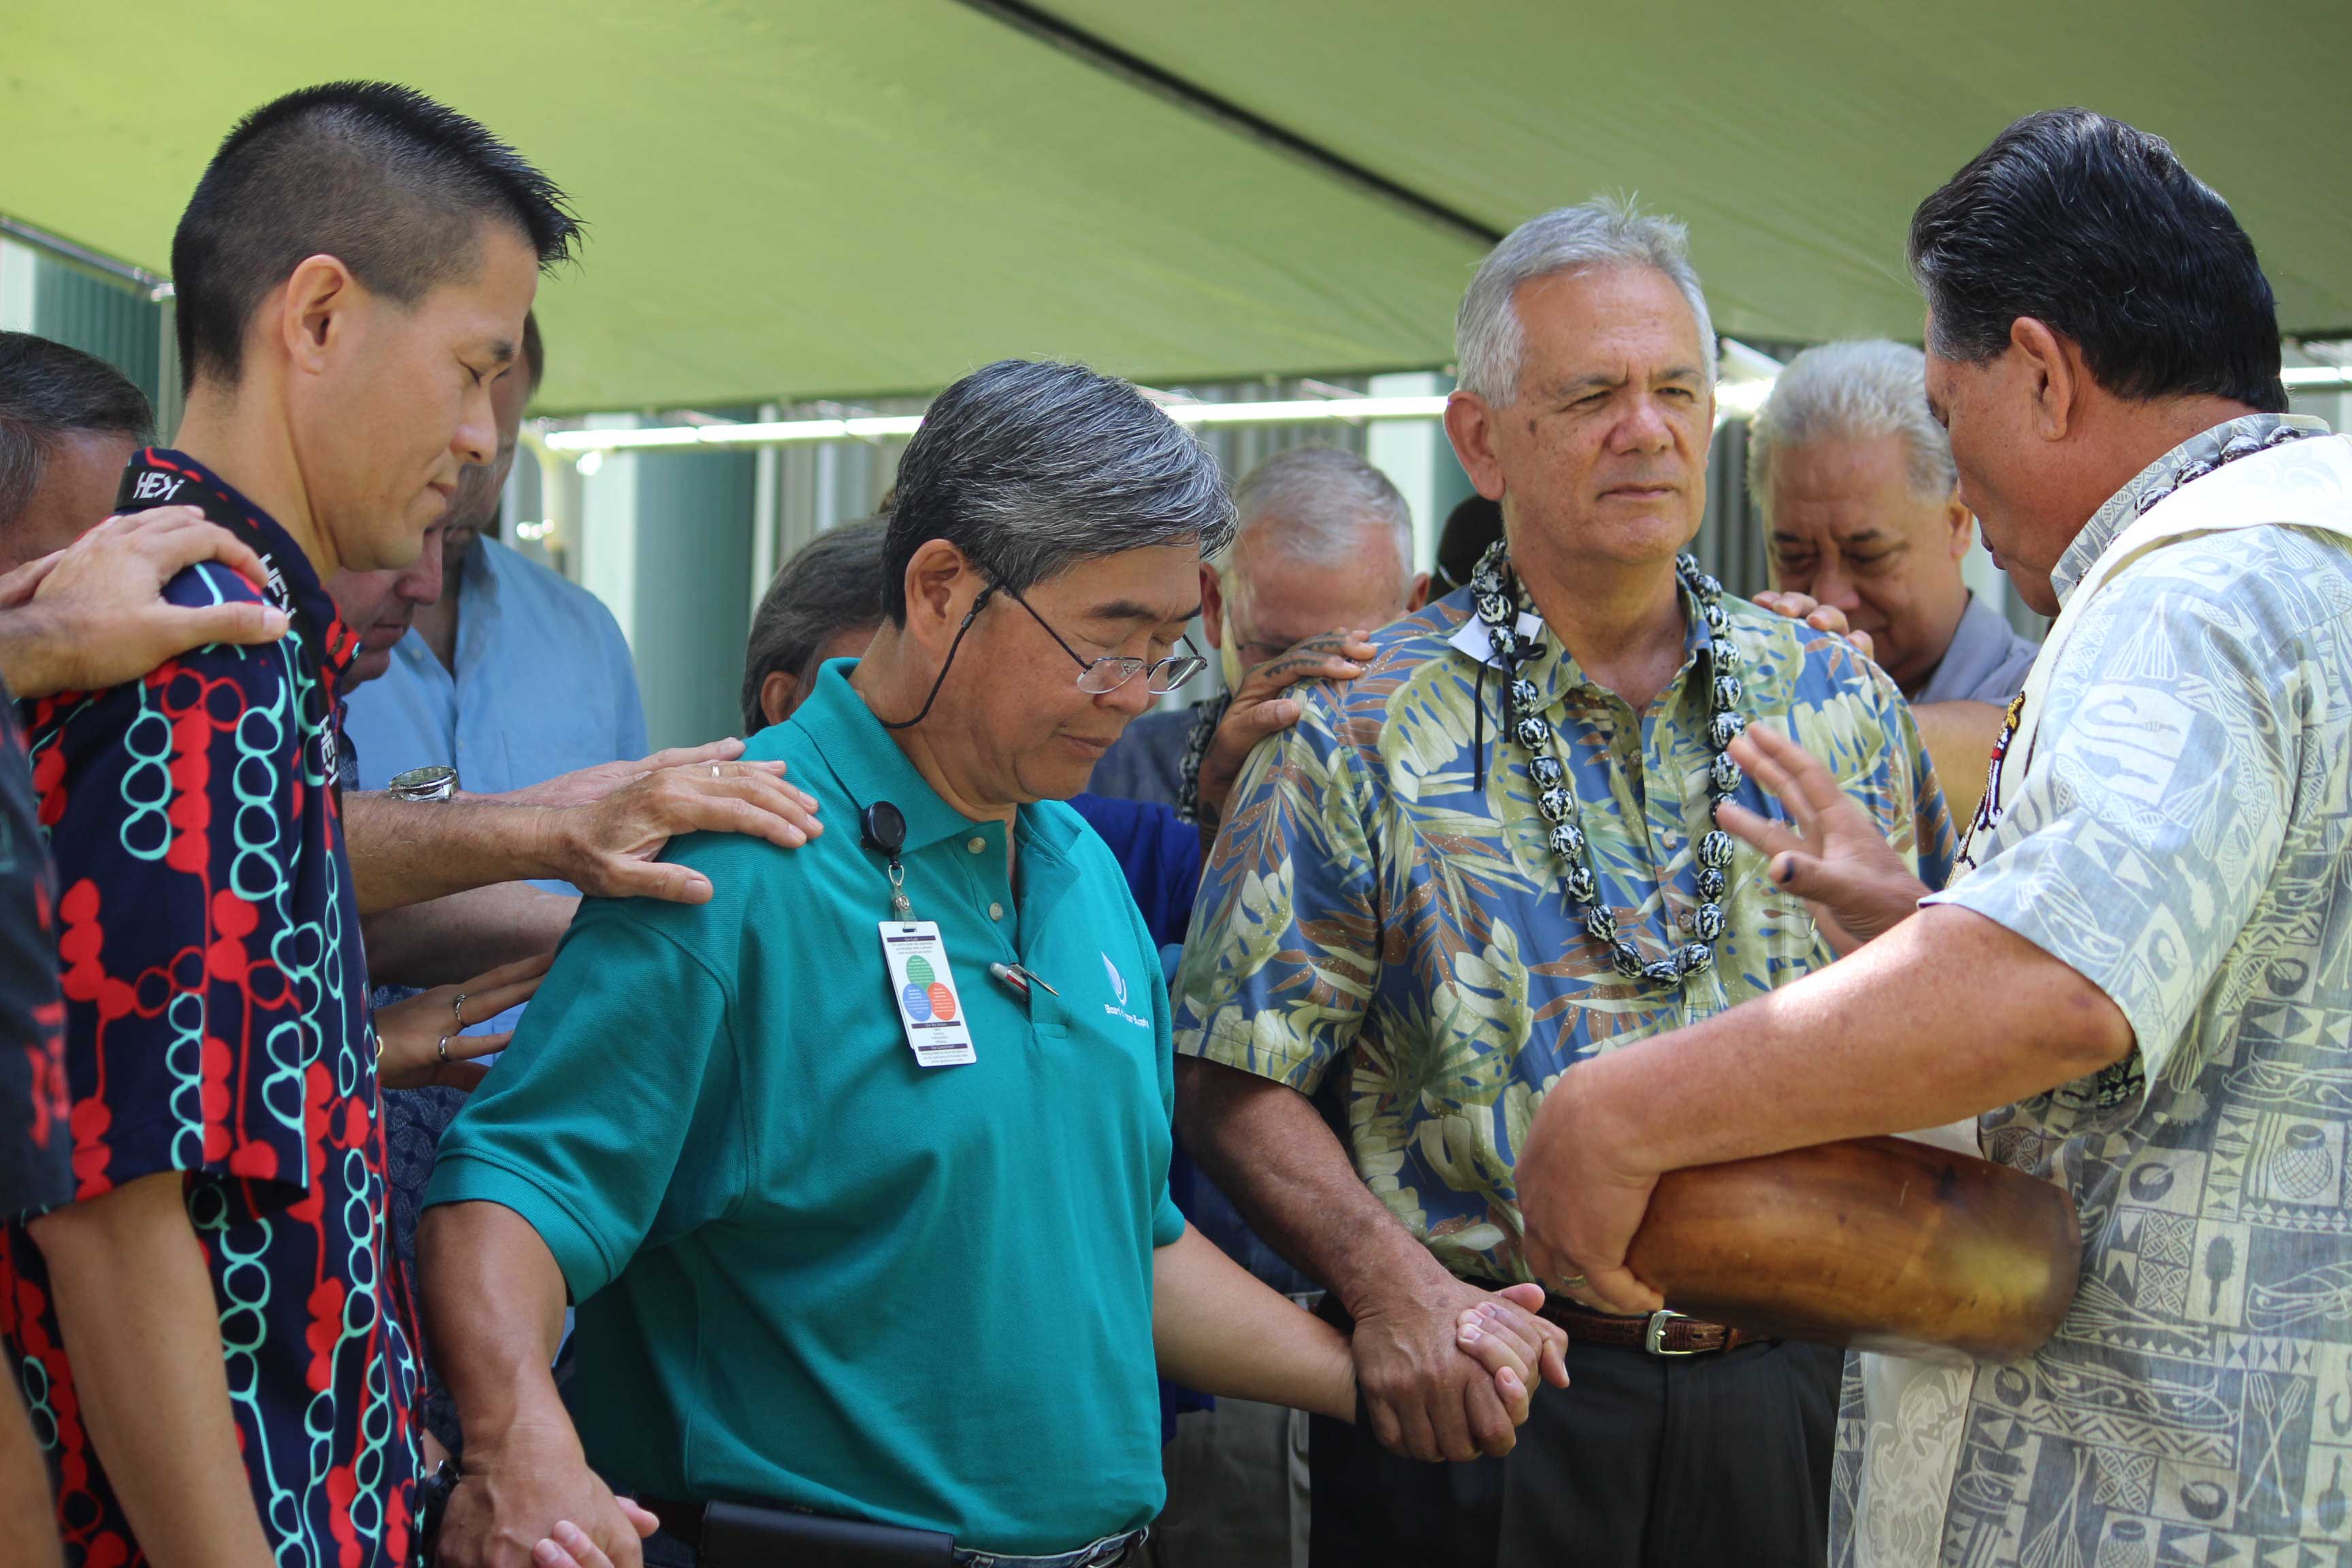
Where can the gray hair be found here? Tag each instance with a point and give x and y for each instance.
(832, 585)
(1029, 468)
(1490, 342)
(1845, 391)
(1313, 504)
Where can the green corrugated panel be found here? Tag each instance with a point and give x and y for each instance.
(97, 317)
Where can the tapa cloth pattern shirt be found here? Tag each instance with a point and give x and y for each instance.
(215, 1026)
(1986, 660)
(1372, 902)
(2182, 837)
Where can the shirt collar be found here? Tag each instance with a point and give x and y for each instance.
(1554, 671)
(2122, 508)
(160, 477)
(872, 768)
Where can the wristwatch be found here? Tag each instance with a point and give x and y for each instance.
(438, 783)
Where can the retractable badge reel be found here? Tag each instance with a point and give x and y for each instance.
(884, 829)
(922, 981)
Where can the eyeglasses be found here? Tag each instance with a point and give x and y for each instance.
(1100, 677)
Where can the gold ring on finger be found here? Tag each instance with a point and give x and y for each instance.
(1573, 1282)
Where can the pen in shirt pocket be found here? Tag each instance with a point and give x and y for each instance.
(1018, 979)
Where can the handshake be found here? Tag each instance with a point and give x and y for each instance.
(1447, 1371)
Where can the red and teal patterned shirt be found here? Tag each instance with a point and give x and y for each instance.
(217, 1025)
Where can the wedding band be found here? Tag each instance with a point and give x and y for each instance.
(458, 1008)
(1572, 1281)
(714, 770)
(442, 1051)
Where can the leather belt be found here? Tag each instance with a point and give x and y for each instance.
(1658, 1333)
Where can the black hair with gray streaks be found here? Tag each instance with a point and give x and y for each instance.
(1029, 468)
(49, 392)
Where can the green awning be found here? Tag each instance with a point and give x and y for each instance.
(792, 200)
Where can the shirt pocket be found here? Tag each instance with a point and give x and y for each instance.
(1048, 1014)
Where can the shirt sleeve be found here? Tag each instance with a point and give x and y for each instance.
(192, 990)
(1167, 1216)
(2155, 803)
(35, 1173)
(1284, 949)
(624, 1059)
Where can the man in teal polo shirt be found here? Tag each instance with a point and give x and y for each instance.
(859, 1172)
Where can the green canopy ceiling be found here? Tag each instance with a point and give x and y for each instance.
(790, 199)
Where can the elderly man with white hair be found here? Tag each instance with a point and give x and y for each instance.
(1495, 855)
(1324, 548)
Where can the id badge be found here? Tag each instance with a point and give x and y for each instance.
(923, 988)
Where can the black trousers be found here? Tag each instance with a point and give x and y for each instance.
(1642, 1462)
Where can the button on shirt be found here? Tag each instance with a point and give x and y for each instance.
(2182, 838)
(1375, 927)
(809, 1271)
(543, 685)
(217, 1026)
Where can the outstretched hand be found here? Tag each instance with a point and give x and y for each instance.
(93, 615)
(1259, 708)
(1828, 852)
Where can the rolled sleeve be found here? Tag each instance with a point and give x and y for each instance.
(1284, 952)
(624, 1061)
(2155, 805)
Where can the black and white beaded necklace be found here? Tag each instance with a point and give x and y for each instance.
(1495, 591)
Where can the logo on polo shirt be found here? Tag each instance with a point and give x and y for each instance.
(1118, 988)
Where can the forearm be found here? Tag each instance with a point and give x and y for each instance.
(1947, 1015)
(494, 1301)
(1218, 1330)
(406, 852)
(135, 1305)
(450, 940)
(28, 1515)
(1268, 1150)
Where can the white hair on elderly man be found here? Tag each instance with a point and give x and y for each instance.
(1489, 341)
(1312, 504)
(1851, 391)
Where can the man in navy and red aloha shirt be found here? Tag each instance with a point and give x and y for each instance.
(356, 258)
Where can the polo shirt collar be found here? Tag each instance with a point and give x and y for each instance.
(872, 768)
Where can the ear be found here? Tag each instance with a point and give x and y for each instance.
(1419, 595)
(1213, 606)
(1470, 425)
(779, 694)
(1962, 522)
(314, 309)
(2054, 374)
(940, 588)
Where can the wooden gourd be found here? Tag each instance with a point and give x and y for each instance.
(1880, 1243)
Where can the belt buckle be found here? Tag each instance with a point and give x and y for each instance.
(1653, 1337)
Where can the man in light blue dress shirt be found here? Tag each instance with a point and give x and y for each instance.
(515, 675)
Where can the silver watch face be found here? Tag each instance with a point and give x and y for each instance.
(424, 783)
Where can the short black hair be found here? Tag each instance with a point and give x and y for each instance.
(1029, 467)
(49, 392)
(830, 585)
(2095, 229)
(534, 350)
(375, 174)
(1472, 528)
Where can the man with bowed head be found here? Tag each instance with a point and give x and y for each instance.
(866, 1257)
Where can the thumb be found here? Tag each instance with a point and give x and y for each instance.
(239, 621)
(1619, 1291)
(1529, 1296)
